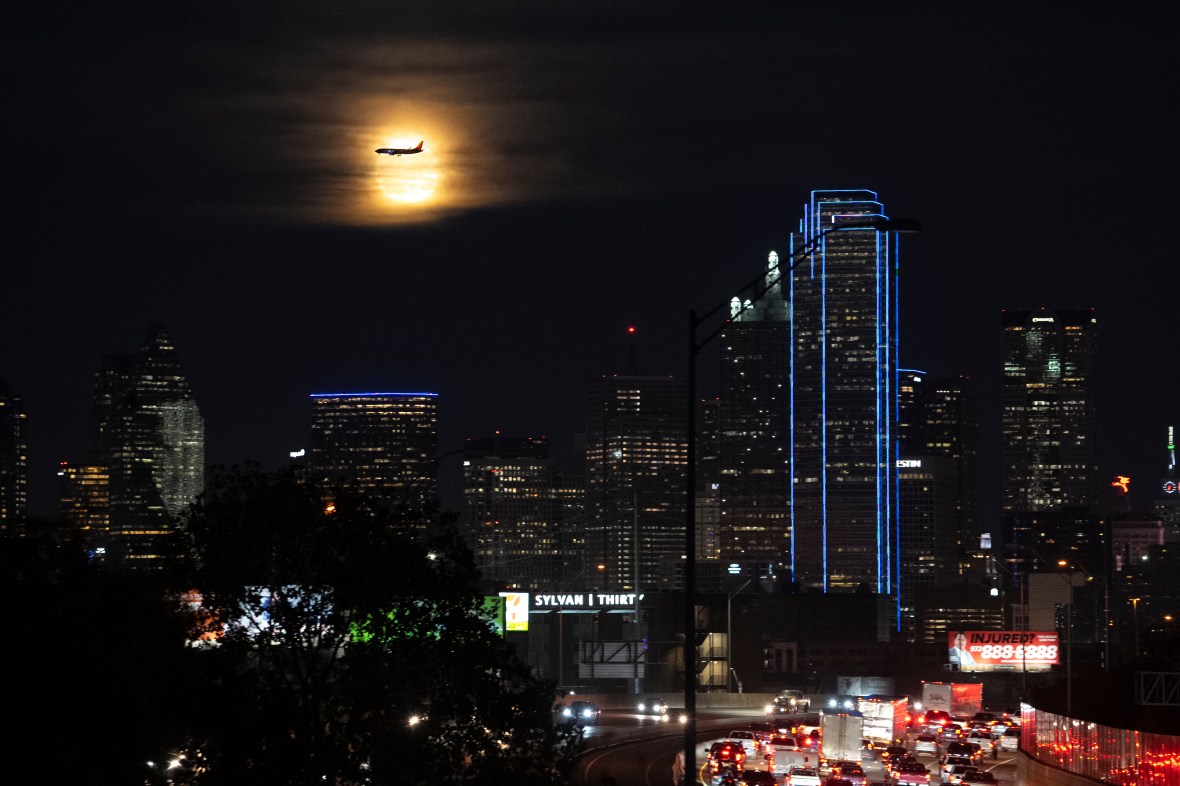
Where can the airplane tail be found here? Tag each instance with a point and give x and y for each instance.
(419, 147)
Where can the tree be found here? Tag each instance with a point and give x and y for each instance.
(94, 657)
(345, 648)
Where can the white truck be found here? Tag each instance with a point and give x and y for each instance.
(884, 717)
(840, 736)
(959, 699)
(788, 702)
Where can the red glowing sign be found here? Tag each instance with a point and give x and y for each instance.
(978, 650)
(1122, 482)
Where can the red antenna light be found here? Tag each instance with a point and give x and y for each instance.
(631, 329)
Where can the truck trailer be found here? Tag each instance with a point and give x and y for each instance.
(959, 699)
(884, 718)
(840, 736)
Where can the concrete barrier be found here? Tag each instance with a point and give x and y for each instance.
(705, 701)
(1033, 772)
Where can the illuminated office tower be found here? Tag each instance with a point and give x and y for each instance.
(951, 429)
(843, 399)
(929, 533)
(636, 452)
(150, 437)
(936, 417)
(14, 462)
(84, 497)
(753, 429)
(379, 443)
(1048, 410)
(511, 512)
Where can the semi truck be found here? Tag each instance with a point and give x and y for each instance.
(840, 736)
(960, 699)
(884, 718)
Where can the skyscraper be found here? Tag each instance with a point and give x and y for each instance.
(14, 461)
(951, 429)
(84, 495)
(511, 513)
(843, 399)
(150, 438)
(1048, 409)
(636, 444)
(381, 443)
(754, 430)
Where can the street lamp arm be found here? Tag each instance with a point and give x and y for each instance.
(898, 225)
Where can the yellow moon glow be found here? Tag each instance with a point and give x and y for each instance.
(408, 179)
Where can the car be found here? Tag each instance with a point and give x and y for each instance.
(892, 752)
(763, 730)
(580, 712)
(853, 773)
(950, 761)
(907, 759)
(950, 733)
(937, 718)
(727, 754)
(977, 777)
(781, 742)
(803, 776)
(926, 743)
(653, 705)
(1011, 740)
(759, 778)
(984, 740)
(791, 701)
(997, 727)
(782, 762)
(915, 773)
(955, 773)
(747, 740)
(986, 717)
(969, 749)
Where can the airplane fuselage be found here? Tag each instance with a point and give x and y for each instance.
(400, 151)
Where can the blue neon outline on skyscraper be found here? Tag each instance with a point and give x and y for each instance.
(823, 404)
(791, 365)
(365, 395)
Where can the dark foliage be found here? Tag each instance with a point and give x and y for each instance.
(350, 646)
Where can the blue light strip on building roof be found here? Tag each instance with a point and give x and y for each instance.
(366, 395)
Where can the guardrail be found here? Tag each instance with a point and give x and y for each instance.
(1102, 753)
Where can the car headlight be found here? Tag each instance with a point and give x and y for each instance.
(567, 713)
(641, 708)
(586, 713)
(769, 708)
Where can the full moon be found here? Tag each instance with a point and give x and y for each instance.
(407, 179)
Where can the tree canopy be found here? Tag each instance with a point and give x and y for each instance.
(296, 642)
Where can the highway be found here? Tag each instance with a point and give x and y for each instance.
(626, 749)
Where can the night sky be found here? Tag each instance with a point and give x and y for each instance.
(589, 166)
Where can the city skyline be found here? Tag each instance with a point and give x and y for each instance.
(606, 167)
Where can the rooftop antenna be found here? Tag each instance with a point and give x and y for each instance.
(631, 350)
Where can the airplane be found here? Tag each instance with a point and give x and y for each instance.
(397, 151)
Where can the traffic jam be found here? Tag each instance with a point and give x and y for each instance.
(862, 742)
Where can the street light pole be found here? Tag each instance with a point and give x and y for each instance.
(695, 322)
(729, 633)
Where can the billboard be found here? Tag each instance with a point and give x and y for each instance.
(1003, 650)
(516, 611)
